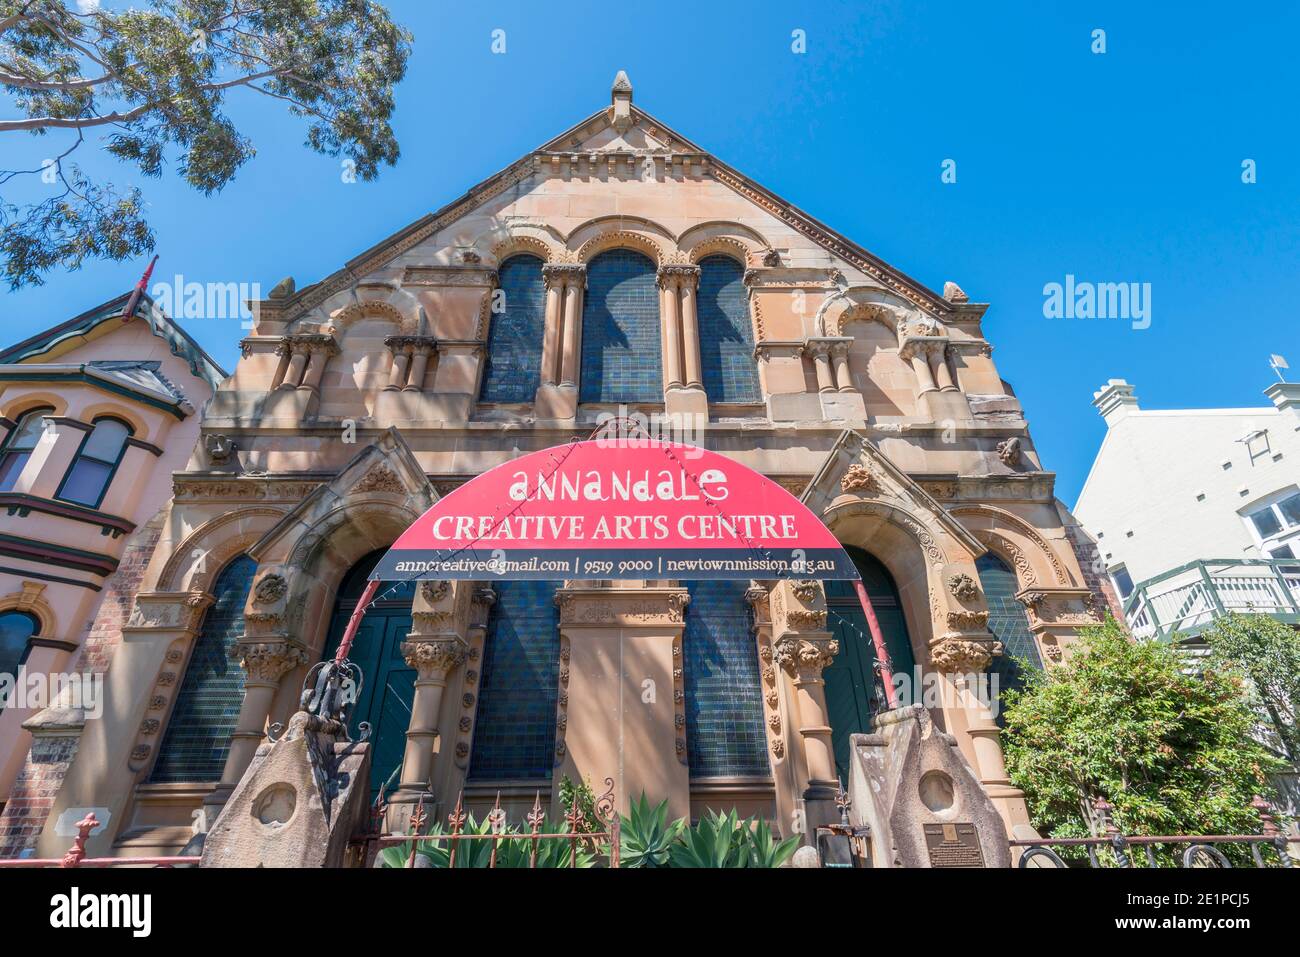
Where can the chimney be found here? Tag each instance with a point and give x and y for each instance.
(621, 96)
(1115, 400)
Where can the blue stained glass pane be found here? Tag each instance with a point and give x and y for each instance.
(727, 361)
(197, 740)
(514, 354)
(514, 732)
(1009, 623)
(620, 330)
(724, 694)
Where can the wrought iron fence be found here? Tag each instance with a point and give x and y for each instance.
(76, 855)
(1124, 850)
(584, 843)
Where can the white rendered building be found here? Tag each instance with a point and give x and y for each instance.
(1197, 511)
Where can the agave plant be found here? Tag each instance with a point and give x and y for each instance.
(719, 840)
(765, 850)
(647, 837)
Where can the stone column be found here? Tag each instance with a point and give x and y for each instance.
(572, 353)
(319, 348)
(264, 663)
(433, 660)
(419, 366)
(284, 350)
(803, 649)
(822, 361)
(943, 373)
(840, 356)
(916, 354)
(401, 358)
(551, 328)
(962, 661)
(691, 328)
(298, 353)
(672, 328)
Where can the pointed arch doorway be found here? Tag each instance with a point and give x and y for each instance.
(389, 685)
(850, 683)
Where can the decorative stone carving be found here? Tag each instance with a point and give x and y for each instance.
(269, 661)
(806, 618)
(954, 293)
(805, 654)
(270, 588)
(380, 478)
(433, 658)
(968, 620)
(1009, 451)
(806, 590)
(434, 591)
(858, 478)
(219, 447)
(963, 587)
(963, 656)
(771, 258)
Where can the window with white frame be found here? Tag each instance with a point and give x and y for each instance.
(1275, 524)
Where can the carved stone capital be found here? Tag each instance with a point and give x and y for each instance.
(804, 657)
(269, 661)
(434, 658)
(957, 655)
(678, 273)
(172, 611)
(560, 273)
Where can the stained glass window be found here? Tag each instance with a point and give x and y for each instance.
(620, 330)
(514, 733)
(514, 353)
(197, 740)
(724, 693)
(727, 361)
(1009, 622)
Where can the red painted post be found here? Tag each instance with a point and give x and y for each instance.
(77, 852)
(882, 654)
(354, 622)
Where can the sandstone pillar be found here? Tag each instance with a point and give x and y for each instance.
(621, 705)
(691, 330)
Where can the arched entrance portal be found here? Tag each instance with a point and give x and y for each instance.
(389, 682)
(850, 687)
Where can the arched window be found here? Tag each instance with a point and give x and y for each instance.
(197, 740)
(724, 694)
(16, 630)
(17, 448)
(514, 733)
(726, 334)
(1009, 623)
(514, 353)
(621, 360)
(97, 459)
(851, 688)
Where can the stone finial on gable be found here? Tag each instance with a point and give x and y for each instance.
(621, 96)
(954, 293)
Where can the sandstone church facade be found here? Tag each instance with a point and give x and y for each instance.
(617, 267)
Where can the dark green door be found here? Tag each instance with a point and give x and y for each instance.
(850, 688)
(388, 685)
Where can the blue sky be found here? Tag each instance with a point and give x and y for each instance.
(1120, 167)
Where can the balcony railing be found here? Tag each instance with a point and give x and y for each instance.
(1189, 598)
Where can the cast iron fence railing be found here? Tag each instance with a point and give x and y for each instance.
(1126, 850)
(598, 841)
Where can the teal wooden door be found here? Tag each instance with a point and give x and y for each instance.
(389, 685)
(850, 687)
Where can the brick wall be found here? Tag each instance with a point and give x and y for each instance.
(52, 750)
(37, 785)
(1094, 571)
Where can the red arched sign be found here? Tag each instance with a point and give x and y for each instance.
(601, 510)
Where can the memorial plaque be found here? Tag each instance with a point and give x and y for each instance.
(953, 845)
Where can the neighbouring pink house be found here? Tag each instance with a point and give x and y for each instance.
(95, 414)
